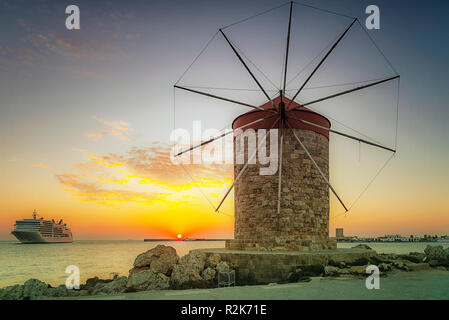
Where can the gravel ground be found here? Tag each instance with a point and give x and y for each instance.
(431, 284)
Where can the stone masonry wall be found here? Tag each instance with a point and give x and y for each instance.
(303, 222)
(253, 267)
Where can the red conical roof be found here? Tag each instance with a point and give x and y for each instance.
(294, 115)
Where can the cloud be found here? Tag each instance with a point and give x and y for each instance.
(80, 150)
(14, 159)
(142, 175)
(41, 165)
(92, 191)
(119, 129)
(87, 73)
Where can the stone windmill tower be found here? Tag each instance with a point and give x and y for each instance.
(288, 211)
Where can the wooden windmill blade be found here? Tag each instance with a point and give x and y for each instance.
(322, 60)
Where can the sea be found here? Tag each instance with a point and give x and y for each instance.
(48, 262)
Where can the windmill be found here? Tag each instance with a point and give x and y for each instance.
(289, 210)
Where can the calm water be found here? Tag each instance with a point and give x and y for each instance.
(47, 262)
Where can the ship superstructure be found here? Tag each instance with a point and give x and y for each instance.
(41, 231)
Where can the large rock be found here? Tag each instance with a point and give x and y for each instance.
(358, 270)
(117, 285)
(34, 289)
(213, 260)
(147, 280)
(385, 267)
(419, 255)
(94, 282)
(434, 253)
(160, 259)
(195, 260)
(12, 293)
(401, 264)
(417, 266)
(187, 273)
(185, 276)
(209, 274)
(437, 253)
(59, 291)
(331, 271)
(222, 266)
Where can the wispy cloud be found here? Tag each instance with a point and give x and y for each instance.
(14, 159)
(80, 150)
(41, 165)
(93, 191)
(141, 175)
(119, 129)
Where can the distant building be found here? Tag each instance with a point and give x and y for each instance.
(339, 233)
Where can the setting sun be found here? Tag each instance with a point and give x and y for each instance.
(179, 236)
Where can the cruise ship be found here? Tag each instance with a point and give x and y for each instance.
(41, 231)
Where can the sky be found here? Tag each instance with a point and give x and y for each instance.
(86, 115)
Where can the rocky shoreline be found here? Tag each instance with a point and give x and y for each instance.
(162, 268)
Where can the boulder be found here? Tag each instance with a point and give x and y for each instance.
(12, 293)
(82, 293)
(213, 260)
(222, 266)
(385, 267)
(187, 273)
(411, 258)
(434, 263)
(145, 280)
(387, 257)
(417, 266)
(344, 271)
(419, 255)
(59, 291)
(437, 253)
(117, 285)
(297, 275)
(400, 264)
(330, 271)
(195, 260)
(34, 289)
(185, 276)
(358, 270)
(378, 259)
(209, 274)
(160, 259)
(91, 283)
(362, 246)
(338, 264)
(362, 261)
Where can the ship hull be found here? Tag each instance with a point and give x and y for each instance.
(36, 237)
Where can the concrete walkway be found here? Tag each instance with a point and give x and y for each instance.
(431, 284)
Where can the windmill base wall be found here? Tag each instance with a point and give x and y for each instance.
(303, 222)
